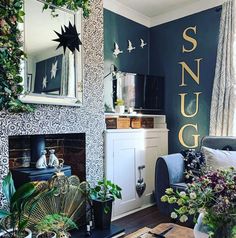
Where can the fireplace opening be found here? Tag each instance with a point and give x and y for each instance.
(24, 151)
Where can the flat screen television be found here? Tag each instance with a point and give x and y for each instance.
(144, 93)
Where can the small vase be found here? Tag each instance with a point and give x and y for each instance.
(53, 235)
(200, 230)
(28, 231)
(102, 219)
(120, 109)
(224, 230)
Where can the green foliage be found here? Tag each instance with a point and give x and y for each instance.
(20, 201)
(73, 5)
(11, 53)
(105, 190)
(56, 223)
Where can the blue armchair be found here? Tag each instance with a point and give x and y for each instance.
(169, 170)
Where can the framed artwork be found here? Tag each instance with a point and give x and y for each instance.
(48, 77)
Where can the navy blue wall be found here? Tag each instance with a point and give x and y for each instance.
(120, 29)
(165, 47)
(165, 55)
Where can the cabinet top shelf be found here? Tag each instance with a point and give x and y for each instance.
(136, 130)
(134, 115)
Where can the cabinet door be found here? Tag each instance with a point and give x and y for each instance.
(126, 160)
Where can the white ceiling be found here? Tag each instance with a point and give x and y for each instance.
(152, 8)
(155, 12)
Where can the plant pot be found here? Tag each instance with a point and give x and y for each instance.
(200, 230)
(53, 235)
(102, 219)
(120, 109)
(26, 229)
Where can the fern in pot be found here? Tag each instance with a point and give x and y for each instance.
(55, 225)
(13, 222)
(102, 196)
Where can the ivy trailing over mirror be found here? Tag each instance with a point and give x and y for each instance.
(73, 5)
(11, 53)
(11, 56)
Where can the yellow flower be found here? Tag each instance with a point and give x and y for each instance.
(193, 195)
(180, 202)
(169, 191)
(172, 200)
(183, 218)
(182, 194)
(173, 215)
(164, 198)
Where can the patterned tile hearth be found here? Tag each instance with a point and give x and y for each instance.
(88, 119)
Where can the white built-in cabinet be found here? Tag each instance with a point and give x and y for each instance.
(125, 151)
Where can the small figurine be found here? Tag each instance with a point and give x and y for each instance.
(130, 46)
(142, 43)
(117, 50)
(42, 161)
(53, 160)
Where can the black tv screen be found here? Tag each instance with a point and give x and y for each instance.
(144, 93)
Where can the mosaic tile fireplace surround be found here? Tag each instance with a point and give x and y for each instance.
(52, 120)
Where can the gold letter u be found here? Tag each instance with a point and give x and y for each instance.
(182, 99)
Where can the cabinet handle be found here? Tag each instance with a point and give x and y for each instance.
(141, 167)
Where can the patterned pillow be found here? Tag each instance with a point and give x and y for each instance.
(193, 162)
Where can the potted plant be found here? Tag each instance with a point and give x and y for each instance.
(54, 225)
(102, 196)
(120, 107)
(13, 220)
(213, 195)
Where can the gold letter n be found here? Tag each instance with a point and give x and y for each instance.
(195, 77)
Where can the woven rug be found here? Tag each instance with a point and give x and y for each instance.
(176, 232)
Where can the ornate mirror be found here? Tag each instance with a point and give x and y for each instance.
(53, 69)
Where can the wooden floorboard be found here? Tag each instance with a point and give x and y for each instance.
(149, 217)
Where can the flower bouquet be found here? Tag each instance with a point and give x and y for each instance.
(214, 196)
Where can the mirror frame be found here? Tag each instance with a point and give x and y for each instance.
(34, 98)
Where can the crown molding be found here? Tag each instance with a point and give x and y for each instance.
(189, 9)
(123, 10)
(192, 8)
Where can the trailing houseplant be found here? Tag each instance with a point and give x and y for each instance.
(11, 53)
(214, 196)
(13, 220)
(58, 224)
(102, 196)
(72, 5)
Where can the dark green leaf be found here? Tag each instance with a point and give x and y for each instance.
(22, 193)
(8, 187)
(4, 214)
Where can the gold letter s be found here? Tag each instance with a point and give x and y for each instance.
(194, 136)
(190, 39)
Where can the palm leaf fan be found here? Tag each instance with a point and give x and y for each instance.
(68, 198)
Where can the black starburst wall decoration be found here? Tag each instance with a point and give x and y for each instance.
(69, 38)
